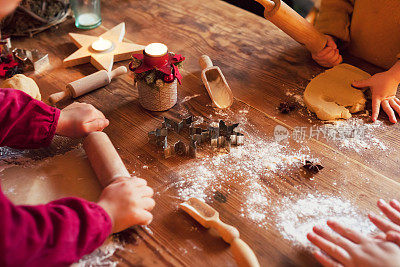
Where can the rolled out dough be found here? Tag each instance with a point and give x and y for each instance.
(331, 96)
(40, 182)
(23, 83)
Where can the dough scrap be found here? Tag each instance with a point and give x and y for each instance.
(23, 83)
(330, 95)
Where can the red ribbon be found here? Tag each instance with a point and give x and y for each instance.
(164, 64)
(5, 66)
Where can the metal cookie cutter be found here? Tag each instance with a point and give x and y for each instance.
(218, 134)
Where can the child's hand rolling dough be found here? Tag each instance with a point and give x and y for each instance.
(347, 247)
(384, 88)
(128, 201)
(80, 119)
(329, 56)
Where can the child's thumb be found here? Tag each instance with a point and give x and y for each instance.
(361, 84)
(96, 125)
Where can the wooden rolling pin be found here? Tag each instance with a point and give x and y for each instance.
(103, 158)
(294, 25)
(209, 218)
(87, 84)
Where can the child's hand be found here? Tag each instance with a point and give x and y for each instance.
(80, 119)
(383, 88)
(128, 201)
(347, 247)
(392, 212)
(329, 56)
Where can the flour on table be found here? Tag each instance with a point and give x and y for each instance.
(101, 256)
(296, 218)
(248, 168)
(362, 136)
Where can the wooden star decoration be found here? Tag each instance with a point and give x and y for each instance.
(102, 60)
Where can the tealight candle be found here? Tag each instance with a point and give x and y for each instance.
(156, 50)
(101, 45)
(155, 55)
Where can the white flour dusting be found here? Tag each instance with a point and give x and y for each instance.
(187, 98)
(297, 218)
(101, 256)
(361, 136)
(248, 166)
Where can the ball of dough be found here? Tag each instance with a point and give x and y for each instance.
(331, 96)
(23, 83)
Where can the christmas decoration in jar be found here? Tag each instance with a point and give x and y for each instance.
(156, 75)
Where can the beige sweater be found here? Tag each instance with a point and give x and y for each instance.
(371, 27)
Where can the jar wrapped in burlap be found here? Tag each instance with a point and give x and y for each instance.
(158, 98)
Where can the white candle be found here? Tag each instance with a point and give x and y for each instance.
(156, 49)
(101, 45)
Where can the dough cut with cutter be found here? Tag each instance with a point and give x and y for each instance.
(330, 94)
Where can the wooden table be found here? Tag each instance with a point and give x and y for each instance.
(262, 65)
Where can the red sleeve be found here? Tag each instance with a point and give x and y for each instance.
(56, 234)
(24, 121)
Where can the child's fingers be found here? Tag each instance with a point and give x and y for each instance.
(376, 105)
(383, 224)
(394, 105)
(333, 60)
(397, 100)
(346, 232)
(394, 237)
(144, 217)
(147, 192)
(324, 53)
(148, 203)
(395, 204)
(389, 111)
(325, 260)
(338, 60)
(380, 236)
(331, 42)
(361, 83)
(138, 181)
(329, 248)
(334, 238)
(389, 211)
(96, 125)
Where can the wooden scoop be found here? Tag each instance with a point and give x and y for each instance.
(215, 83)
(209, 218)
(294, 25)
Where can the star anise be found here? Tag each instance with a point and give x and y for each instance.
(312, 166)
(286, 107)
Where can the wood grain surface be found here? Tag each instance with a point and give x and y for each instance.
(263, 67)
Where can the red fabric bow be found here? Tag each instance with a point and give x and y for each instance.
(5, 66)
(168, 67)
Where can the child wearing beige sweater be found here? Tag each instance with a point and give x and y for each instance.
(369, 29)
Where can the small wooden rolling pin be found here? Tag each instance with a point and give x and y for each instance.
(294, 25)
(103, 158)
(87, 84)
(209, 218)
